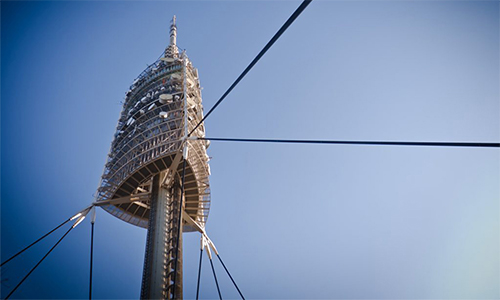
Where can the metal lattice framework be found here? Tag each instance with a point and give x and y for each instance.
(149, 138)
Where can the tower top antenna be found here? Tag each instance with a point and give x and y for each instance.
(173, 32)
(172, 51)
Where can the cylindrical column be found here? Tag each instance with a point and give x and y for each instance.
(157, 278)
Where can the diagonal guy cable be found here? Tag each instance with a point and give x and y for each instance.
(374, 143)
(33, 269)
(231, 277)
(283, 28)
(79, 218)
(215, 277)
(47, 234)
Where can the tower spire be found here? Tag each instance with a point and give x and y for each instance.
(173, 32)
(172, 51)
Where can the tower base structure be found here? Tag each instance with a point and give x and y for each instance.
(163, 233)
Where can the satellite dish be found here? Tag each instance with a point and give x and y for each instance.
(163, 114)
(165, 98)
(168, 59)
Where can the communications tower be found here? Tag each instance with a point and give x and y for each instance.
(152, 168)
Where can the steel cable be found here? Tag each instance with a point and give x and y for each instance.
(378, 143)
(227, 271)
(31, 271)
(283, 28)
(91, 258)
(12, 257)
(215, 277)
(199, 274)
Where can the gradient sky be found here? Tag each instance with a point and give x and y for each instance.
(290, 221)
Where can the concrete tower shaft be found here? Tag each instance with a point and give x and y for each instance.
(161, 251)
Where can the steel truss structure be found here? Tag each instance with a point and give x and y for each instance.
(163, 103)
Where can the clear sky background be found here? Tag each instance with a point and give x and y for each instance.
(290, 221)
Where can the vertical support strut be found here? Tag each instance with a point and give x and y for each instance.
(162, 237)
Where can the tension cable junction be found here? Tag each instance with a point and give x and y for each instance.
(79, 218)
(207, 243)
(80, 214)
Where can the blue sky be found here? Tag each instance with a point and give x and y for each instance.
(290, 222)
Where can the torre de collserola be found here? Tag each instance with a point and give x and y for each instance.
(143, 182)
